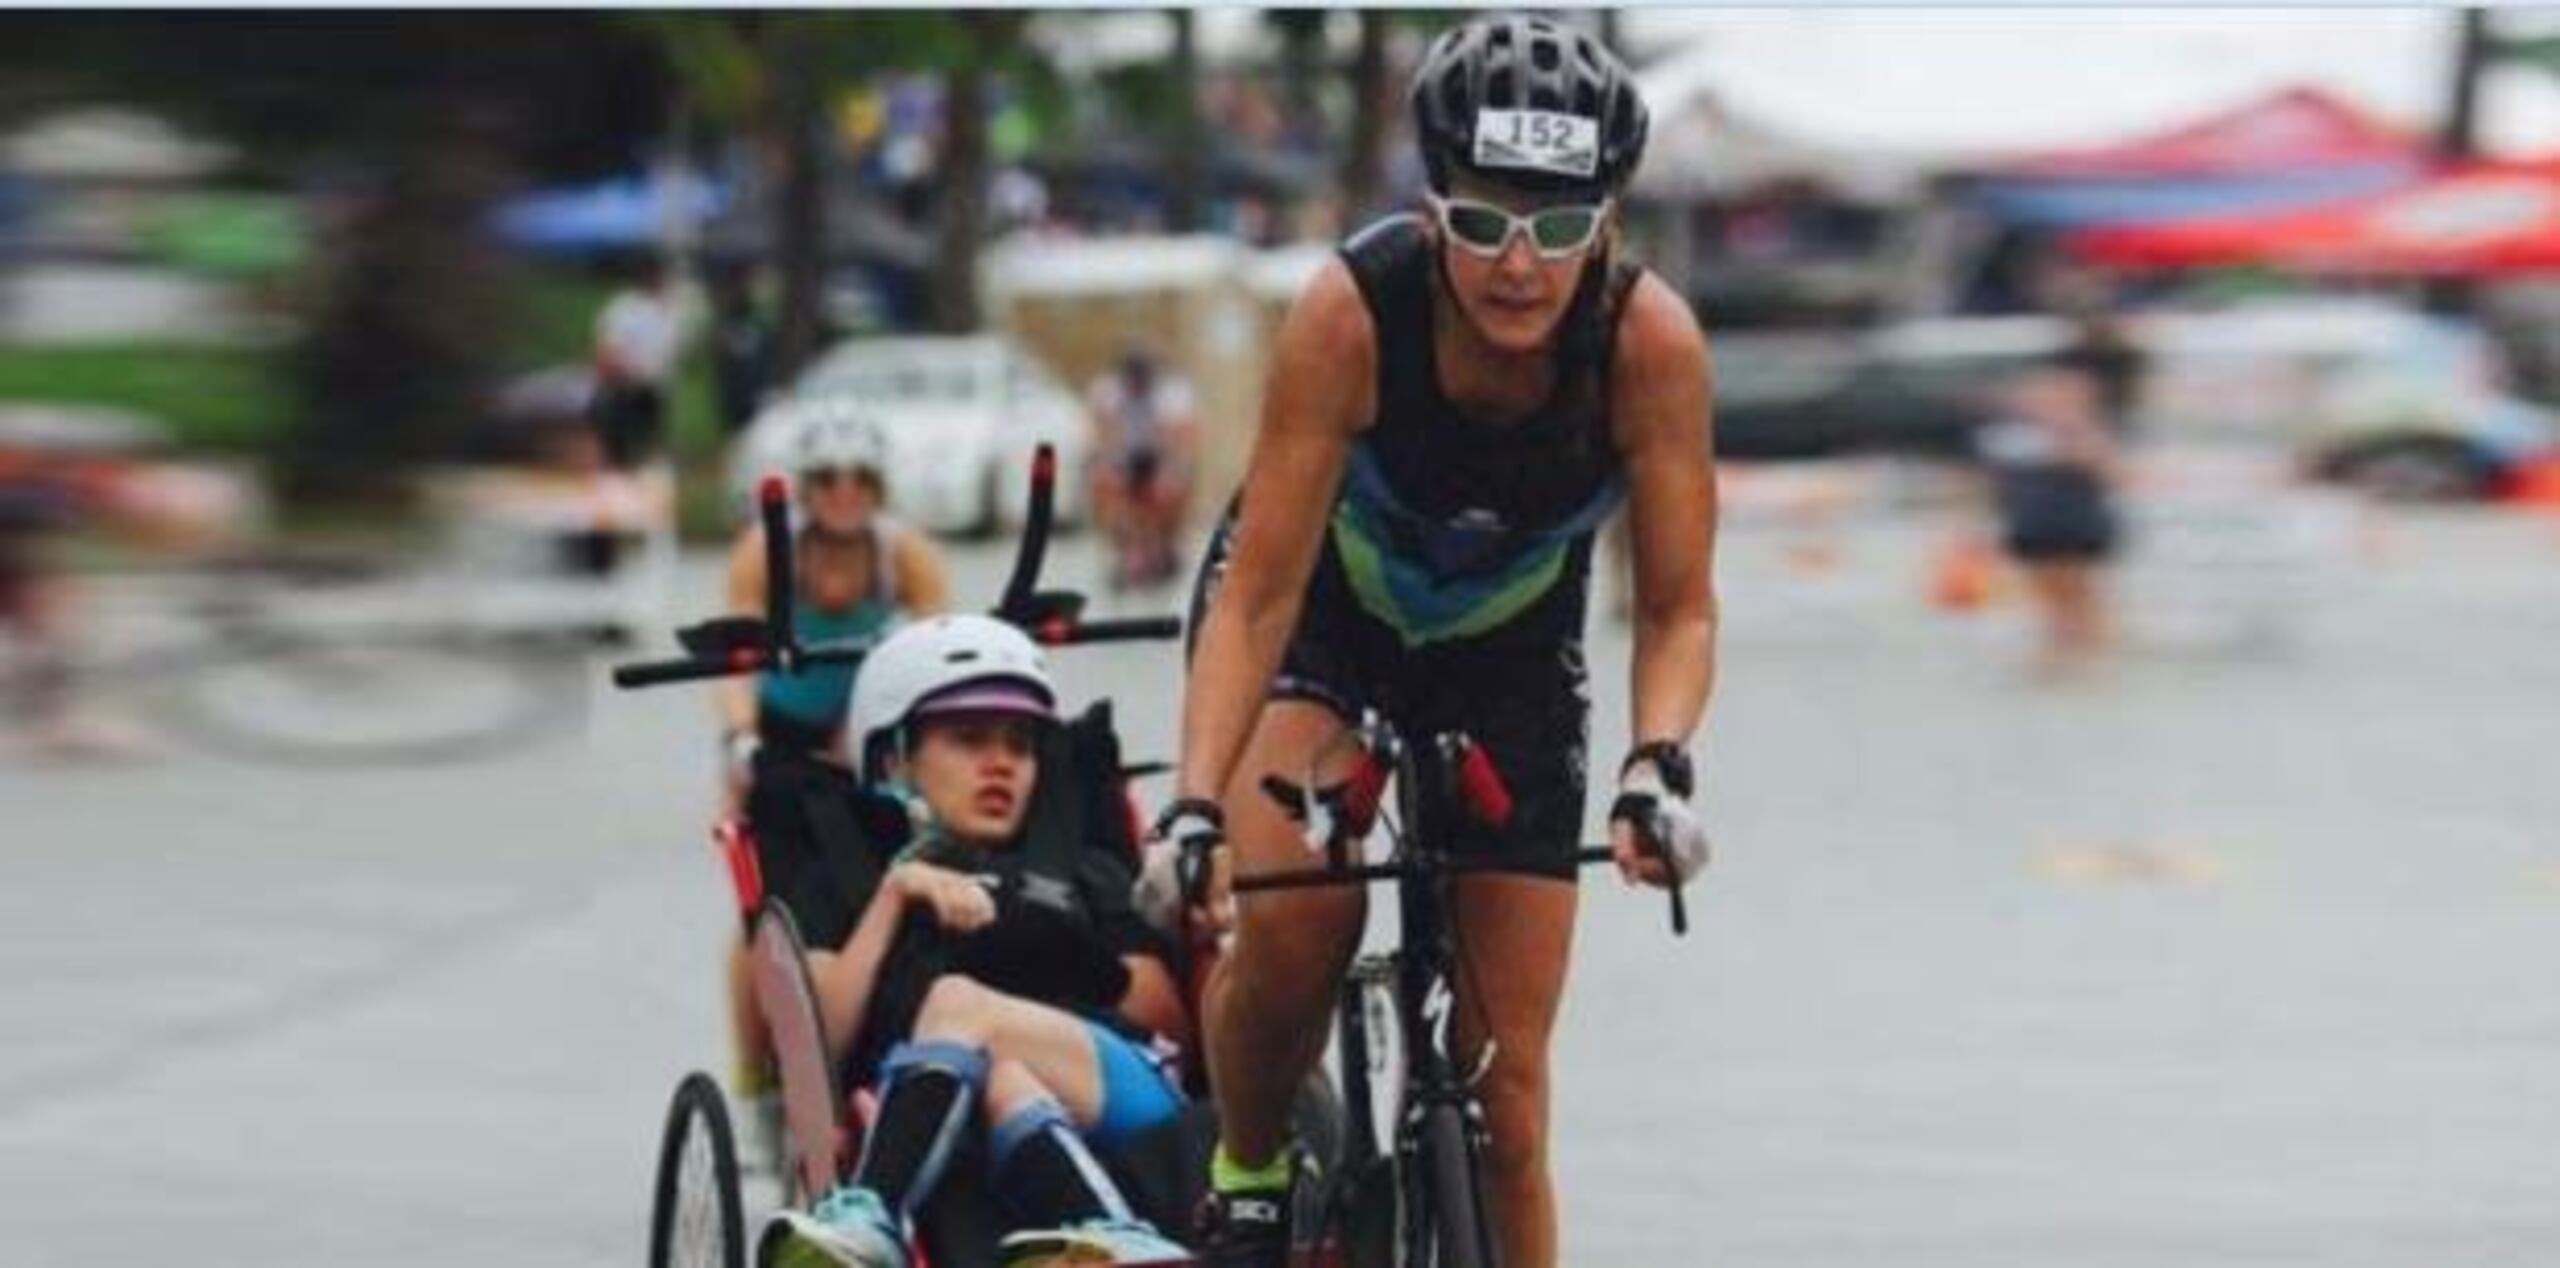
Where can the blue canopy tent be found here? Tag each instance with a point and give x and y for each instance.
(2294, 148)
(624, 213)
(2076, 204)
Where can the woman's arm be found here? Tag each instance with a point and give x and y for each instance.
(1318, 394)
(1659, 407)
(735, 696)
(924, 583)
(843, 978)
(1152, 1000)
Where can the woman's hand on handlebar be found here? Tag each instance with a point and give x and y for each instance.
(1654, 835)
(1186, 866)
(958, 902)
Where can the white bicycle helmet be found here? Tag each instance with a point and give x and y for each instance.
(963, 663)
(837, 434)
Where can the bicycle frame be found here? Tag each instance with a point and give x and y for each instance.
(1435, 802)
(1443, 791)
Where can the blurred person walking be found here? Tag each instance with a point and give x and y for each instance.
(638, 339)
(2052, 463)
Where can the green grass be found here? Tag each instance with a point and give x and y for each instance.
(211, 397)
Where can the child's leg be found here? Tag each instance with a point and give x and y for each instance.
(1037, 1162)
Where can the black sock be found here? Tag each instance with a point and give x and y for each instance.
(924, 1102)
(1047, 1175)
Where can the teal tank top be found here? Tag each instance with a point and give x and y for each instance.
(819, 696)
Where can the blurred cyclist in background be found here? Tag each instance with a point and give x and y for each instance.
(1146, 438)
(41, 498)
(782, 737)
(58, 478)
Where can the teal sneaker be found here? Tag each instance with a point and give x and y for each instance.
(1096, 1243)
(849, 1228)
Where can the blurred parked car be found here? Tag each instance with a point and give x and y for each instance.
(2401, 403)
(2398, 402)
(1914, 388)
(963, 415)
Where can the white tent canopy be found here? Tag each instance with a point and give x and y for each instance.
(1947, 89)
(1703, 150)
(105, 143)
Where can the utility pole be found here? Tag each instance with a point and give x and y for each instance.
(2460, 139)
(2471, 56)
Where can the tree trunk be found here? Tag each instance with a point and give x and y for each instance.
(1302, 61)
(1185, 197)
(1363, 161)
(398, 367)
(800, 230)
(963, 167)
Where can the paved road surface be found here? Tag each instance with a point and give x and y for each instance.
(2235, 959)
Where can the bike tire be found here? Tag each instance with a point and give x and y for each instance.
(1453, 1231)
(304, 702)
(697, 1218)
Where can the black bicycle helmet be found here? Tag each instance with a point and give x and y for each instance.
(1528, 104)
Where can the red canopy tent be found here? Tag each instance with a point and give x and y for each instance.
(2470, 220)
(2292, 130)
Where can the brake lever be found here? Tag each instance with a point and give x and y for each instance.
(1651, 836)
(1643, 815)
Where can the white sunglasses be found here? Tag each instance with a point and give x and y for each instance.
(1486, 230)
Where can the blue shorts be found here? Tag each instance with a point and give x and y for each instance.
(1139, 1092)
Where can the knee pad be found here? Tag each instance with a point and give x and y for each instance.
(964, 1062)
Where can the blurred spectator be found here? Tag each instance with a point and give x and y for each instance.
(1145, 433)
(2051, 459)
(742, 346)
(638, 339)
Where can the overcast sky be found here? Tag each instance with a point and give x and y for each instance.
(1967, 80)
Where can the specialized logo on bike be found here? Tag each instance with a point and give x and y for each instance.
(1253, 1210)
(1538, 141)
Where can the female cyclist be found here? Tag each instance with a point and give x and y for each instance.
(1456, 403)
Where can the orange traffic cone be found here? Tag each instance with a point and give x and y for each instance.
(1964, 574)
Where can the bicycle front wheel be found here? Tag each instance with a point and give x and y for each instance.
(696, 1218)
(1449, 1230)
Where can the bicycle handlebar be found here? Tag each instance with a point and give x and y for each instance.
(1393, 869)
(749, 646)
(1479, 790)
(744, 660)
(655, 673)
(1117, 630)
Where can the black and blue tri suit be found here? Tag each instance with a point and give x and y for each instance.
(1455, 574)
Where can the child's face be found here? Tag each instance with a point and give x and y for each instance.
(975, 773)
